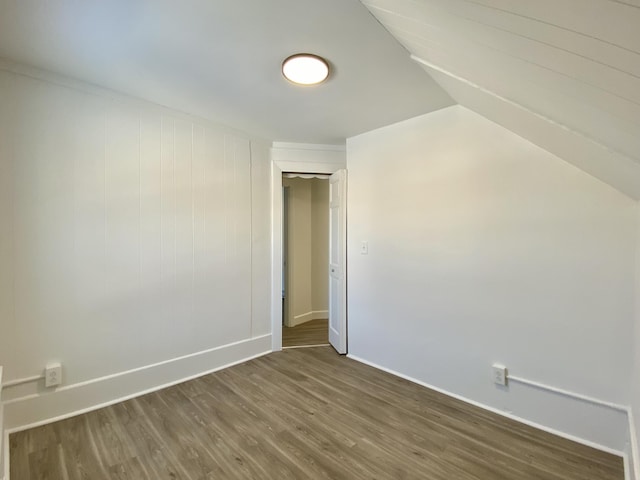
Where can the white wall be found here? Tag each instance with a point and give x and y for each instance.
(308, 246)
(135, 242)
(485, 248)
(634, 423)
(320, 246)
(298, 283)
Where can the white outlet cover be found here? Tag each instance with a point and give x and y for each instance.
(499, 373)
(53, 375)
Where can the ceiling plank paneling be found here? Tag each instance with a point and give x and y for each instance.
(572, 75)
(584, 45)
(609, 21)
(438, 25)
(593, 112)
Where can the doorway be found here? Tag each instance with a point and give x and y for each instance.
(337, 232)
(305, 260)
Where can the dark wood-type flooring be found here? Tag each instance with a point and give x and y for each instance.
(314, 332)
(300, 414)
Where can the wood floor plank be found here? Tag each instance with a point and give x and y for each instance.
(141, 441)
(131, 469)
(309, 428)
(314, 332)
(237, 429)
(300, 414)
(454, 416)
(43, 462)
(334, 407)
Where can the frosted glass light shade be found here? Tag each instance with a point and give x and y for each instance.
(305, 69)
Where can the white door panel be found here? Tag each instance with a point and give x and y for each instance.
(337, 262)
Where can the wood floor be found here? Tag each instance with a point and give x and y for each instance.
(300, 414)
(315, 332)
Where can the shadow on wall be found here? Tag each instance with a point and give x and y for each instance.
(306, 253)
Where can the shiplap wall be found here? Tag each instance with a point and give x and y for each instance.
(574, 63)
(131, 234)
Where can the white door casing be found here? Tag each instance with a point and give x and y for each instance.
(337, 261)
(299, 158)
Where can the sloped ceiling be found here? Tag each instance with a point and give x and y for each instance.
(221, 59)
(564, 74)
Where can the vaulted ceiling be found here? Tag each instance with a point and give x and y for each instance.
(564, 74)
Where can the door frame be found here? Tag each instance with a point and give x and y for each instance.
(277, 169)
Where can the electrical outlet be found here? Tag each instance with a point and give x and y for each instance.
(53, 375)
(499, 374)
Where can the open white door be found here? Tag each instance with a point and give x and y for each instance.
(337, 262)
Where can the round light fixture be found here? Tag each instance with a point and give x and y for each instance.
(305, 69)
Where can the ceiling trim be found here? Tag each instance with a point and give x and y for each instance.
(309, 146)
(308, 157)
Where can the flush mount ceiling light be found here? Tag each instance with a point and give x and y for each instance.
(305, 69)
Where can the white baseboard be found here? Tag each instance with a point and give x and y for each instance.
(632, 457)
(70, 400)
(307, 317)
(3, 444)
(503, 413)
(4, 454)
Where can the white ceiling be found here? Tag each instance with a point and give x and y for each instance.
(564, 74)
(221, 59)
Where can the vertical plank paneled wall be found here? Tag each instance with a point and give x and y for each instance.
(133, 237)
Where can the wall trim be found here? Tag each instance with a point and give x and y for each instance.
(298, 160)
(307, 317)
(309, 146)
(307, 346)
(166, 373)
(544, 428)
(308, 157)
(5, 455)
(633, 462)
(3, 443)
(568, 393)
(21, 381)
(48, 407)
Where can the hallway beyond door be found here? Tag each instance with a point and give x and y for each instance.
(315, 332)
